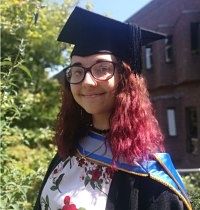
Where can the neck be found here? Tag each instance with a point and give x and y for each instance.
(101, 121)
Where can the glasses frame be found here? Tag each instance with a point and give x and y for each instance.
(88, 69)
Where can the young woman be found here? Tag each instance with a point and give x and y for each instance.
(108, 139)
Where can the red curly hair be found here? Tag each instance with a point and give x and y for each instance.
(134, 131)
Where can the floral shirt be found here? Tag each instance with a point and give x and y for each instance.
(77, 184)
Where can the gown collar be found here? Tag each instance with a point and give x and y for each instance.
(160, 169)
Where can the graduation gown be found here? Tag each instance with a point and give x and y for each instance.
(148, 186)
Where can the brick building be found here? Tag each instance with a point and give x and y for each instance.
(172, 70)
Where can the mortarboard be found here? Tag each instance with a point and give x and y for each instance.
(92, 33)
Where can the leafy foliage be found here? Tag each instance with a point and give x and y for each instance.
(25, 150)
(192, 182)
(29, 98)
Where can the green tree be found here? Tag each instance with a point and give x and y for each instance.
(29, 33)
(192, 182)
(29, 99)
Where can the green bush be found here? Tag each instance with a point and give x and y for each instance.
(24, 152)
(21, 178)
(192, 182)
(29, 99)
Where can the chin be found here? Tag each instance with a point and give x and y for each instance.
(94, 110)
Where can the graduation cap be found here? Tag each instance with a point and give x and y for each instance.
(92, 33)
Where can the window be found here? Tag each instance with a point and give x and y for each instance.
(171, 120)
(195, 37)
(148, 57)
(168, 50)
(192, 130)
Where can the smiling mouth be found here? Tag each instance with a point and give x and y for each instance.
(92, 94)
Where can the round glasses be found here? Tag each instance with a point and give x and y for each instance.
(102, 70)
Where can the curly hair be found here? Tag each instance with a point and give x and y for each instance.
(134, 131)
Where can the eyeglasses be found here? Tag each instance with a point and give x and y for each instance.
(102, 70)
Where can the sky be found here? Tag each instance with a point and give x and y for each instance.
(117, 9)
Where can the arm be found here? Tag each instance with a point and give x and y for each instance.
(133, 192)
(167, 201)
(52, 165)
(154, 195)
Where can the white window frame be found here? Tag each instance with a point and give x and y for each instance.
(168, 50)
(171, 122)
(148, 57)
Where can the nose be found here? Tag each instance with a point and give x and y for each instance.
(89, 80)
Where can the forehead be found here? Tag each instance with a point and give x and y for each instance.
(92, 58)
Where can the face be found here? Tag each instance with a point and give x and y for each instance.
(94, 96)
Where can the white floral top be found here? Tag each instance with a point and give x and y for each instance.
(77, 184)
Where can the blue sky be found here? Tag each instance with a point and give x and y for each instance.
(117, 9)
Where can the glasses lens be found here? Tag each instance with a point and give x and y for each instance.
(103, 70)
(74, 74)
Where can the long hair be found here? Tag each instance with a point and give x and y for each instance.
(134, 131)
(72, 123)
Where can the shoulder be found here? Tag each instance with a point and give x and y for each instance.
(143, 192)
(53, 163)
(157, 195)
(144, 184)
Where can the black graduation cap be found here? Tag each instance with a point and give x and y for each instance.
(92, 33)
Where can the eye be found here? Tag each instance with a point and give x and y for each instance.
(77, 71)
(103, 68)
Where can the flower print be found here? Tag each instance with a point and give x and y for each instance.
(81, 162)
(82, 177)
(96, 174)
(55, 171)
(45, 201)
(68, 160)
(70, 206)
(67, 200)
(109, 171)
(60, 167)
(56, 183)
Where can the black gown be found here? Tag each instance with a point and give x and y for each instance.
(131, 192)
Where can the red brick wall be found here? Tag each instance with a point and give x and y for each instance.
(176, 84)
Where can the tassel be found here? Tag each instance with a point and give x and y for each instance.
(135, 49)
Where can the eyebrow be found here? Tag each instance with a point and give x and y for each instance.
(76, 64)
(97, 61)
